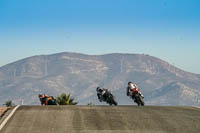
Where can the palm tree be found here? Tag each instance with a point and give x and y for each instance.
(9, 103)
(65, 99)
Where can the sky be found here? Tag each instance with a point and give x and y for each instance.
(167, 29)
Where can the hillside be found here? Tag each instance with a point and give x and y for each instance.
(80, 74)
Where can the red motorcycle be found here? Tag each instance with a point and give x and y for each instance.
(136, 95)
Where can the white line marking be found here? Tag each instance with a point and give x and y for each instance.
(9, 116)
(197, 107)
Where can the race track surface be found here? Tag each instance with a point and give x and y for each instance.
(104, 119)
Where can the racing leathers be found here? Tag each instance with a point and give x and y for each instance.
(132, 89)
(102, 94)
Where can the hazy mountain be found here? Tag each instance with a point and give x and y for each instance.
(79, 74)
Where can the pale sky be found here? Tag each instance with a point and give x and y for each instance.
(167, 29)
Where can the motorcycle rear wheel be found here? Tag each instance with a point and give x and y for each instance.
(114, 102)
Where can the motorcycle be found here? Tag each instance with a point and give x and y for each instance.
(108, 98)
(138, 98)
(52, 101)
(47, 100)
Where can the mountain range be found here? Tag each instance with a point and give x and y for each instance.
(80, 74)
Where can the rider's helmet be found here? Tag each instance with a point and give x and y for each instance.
(40, 95)
(129, 83)
(98, 88)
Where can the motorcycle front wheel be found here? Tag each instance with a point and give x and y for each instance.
(139, 100)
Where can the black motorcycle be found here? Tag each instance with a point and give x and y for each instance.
(108, 98)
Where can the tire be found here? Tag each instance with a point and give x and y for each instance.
(138, 99)
(141, 100)
(114, 102)
(135, 99)
(138, 103)
(111, 100)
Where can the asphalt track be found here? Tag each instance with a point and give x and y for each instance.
(104, 119)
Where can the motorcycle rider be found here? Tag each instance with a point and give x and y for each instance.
(132, 89)
(46, 100)
(101, 94)
(42, 98)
